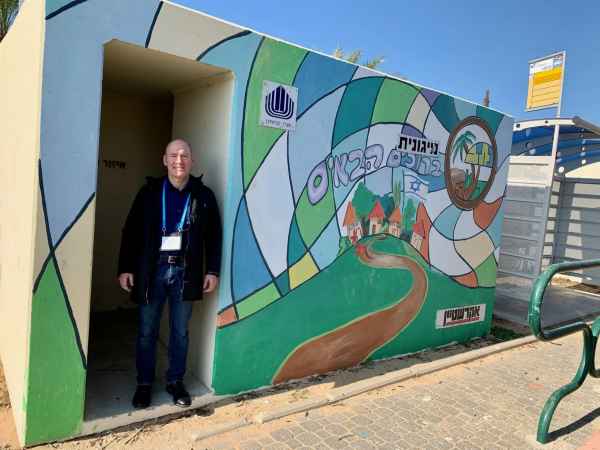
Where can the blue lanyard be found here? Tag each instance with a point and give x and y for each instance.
(164, 210)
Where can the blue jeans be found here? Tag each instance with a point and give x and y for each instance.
(167, 283)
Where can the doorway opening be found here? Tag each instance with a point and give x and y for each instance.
(148, 99)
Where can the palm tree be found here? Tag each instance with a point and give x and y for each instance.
(355, 56)
(460, 148)
(8, 12)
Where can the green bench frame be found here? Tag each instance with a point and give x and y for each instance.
(590, 338)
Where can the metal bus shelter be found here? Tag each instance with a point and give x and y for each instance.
(543, 212)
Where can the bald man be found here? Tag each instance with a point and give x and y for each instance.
(172, 228)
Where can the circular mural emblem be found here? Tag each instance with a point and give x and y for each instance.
(471, 157)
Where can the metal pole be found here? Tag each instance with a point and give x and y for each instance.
(553, 164)
(558, 108)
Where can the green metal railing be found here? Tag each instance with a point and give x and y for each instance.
(590, 337)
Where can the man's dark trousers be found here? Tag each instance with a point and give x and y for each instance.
(167, 284)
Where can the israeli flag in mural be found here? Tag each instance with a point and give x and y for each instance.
(279, 104)
(415, 187)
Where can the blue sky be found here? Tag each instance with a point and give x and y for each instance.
(459, 47)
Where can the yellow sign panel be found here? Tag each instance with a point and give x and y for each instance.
(545, 82)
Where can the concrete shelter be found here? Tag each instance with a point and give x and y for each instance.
(289, 140)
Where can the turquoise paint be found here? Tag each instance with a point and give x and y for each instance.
(319, 75)
(465, 109)
(283, 283)
(325, 249)
(54, 5)
(446, 221)
(444, 110)
(492, 117)
(296, 247)
(236, 55)
(357, 107)
(249, 270)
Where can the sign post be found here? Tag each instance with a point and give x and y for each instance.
(546, 76)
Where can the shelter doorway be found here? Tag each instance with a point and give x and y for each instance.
(148, 99)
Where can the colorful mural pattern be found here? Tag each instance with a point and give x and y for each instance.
(339, 202)
(348, 140)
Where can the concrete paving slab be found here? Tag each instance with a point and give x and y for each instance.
(561, 305)
(489, 403)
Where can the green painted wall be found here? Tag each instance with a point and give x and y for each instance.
(56, 381)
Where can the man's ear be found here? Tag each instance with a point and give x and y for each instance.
(164, 159)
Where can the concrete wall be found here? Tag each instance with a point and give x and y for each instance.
(202, 116)
(134, 132)
(286, 254)
(20, 90)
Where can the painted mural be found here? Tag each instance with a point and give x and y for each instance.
(343, 237)
(383, 205)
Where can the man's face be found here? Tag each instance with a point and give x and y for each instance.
(178, 159)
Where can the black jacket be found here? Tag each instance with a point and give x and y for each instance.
(141, 239)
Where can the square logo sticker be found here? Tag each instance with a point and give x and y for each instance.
(279, 104)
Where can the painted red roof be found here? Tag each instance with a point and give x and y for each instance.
(396, 216)
(377, 211)
(350, 217)
(418, 229)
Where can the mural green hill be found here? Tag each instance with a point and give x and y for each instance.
(256, 346)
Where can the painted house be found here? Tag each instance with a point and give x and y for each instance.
(395, 222)
(353, 227)
(376, 217)
(93, 90)
(416, 238)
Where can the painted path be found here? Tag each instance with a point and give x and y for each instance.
(354, 342)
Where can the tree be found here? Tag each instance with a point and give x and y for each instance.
(397, 194)
(460, 148)
(486, 99)
(355, 56)
(409, 214)
(363, 201)
(8, 12)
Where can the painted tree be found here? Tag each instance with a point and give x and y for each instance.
(355, 56)
(8, 12)
(363, 201)
(408, 215)
(459, 150)
(397, 194)
(387, 202)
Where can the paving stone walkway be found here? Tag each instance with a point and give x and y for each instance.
(493, 403)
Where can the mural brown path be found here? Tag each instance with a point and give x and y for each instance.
(352, 343)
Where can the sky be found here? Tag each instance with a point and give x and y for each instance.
(461, 47)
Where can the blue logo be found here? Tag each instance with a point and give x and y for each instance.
(279, 104)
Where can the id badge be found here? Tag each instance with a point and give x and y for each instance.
(170, 243)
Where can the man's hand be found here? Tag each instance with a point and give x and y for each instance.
(126, 281)
(210, 283)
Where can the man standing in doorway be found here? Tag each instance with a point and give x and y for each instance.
(172, 228)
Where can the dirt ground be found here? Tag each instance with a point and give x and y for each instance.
(174, 431)
(572, 283)
(8, 436)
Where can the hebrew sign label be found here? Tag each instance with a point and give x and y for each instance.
(279, 104)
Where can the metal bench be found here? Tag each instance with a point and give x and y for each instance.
(590, 337)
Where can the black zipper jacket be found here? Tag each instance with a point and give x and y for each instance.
(141, 239)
